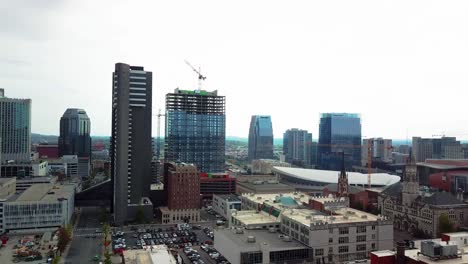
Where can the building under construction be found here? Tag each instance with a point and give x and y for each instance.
(195, 129)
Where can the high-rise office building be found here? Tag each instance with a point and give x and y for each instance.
(260, 138)
(130, 148)
(339, 132)
(196, 129)
(436, 148)
(381, 150)
(75, 128)
(15, 128)
(297, 147)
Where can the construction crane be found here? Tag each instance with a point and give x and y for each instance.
(158, 142)
(200, 76)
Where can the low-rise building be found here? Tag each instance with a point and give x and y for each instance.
(413, 210)
(216, 183)
(27, 169)
(333, 232)
(159, 254)
(41, 207)
(224, 203)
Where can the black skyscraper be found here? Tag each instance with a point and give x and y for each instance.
(75, 128)
(130, 150)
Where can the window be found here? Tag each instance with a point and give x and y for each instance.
(319, 252)
(330, 240)
(343, 230)
(361, 247)
(330, 251)
(373, 227)
(343, 249)
(330, 231)
(361, 238)
(373, 246)
(361, 229)
(373, 236)
(343, 240)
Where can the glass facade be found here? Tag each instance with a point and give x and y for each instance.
(297, 147)
(339, 132)
(15, 129)
(75, 128)
(260, 138)
(196, 129)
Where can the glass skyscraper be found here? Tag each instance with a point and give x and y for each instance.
(297, 147)
(196, 129)
(339, 132)
(260, 138)
(15, 129)
(75, 128)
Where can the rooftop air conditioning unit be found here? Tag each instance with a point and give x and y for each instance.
(272, 230)
(251, 239)
(287, 239)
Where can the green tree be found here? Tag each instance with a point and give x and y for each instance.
(445, 225)
(56, 260)
(106, 232)
(140, 215)
(63, 239)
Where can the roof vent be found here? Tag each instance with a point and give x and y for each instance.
(251, 239)
(287, 239)
(272, 230)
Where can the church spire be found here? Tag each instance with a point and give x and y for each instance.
(342, 188)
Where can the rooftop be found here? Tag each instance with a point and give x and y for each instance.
(252, 217)
(326, 177)
(333, 187)
(160, 254)
(44, 193)
(457, 234)
(229, 197)
(292, 199)
(444, 164)
(266, 186)
(384, 253)
(414, 255)
(263, 238)
(344, 215)
(6, 180)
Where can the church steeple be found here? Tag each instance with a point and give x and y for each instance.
(410, 182)
(342, 188)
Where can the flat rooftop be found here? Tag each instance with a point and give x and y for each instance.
(266, 186)
(252, 217)
(413, 254)
(44, 193)
(263, 238)
(344, 215)
(457, 234)
(229, 197)
(160, 255)
(292, 199)
(5, 180)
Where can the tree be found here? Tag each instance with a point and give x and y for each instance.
(140, 215)
(445, 225)
(63, 239)
(56, 260)
(106, 231)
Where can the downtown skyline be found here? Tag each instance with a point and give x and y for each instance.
(395, 66)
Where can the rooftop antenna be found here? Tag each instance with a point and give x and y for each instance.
(200, 76)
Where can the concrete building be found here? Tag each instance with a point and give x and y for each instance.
(436, 148)
(130, 148)
(224, 203)
(195, 129)
(182, 191)
(265, 166)
(270, 186)
(216, 183)
(75, 129)
(39, 208)
(47, 151)
(15, 129)
(159, 254)
(297, 147)
(28, 169)
(381, 150)
(260, 138)
(326, 227)
(76, 166)
(414, 211)
(339, 132)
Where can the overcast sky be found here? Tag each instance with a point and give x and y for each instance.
(401, 64)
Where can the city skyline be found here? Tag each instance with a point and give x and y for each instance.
(291, 64)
